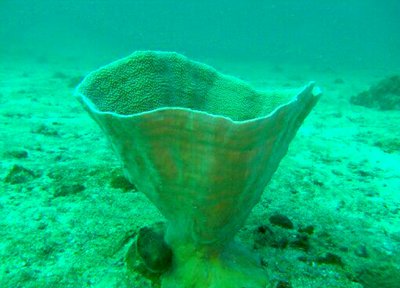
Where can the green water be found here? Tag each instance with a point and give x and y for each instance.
(332, 33)
(329, 217)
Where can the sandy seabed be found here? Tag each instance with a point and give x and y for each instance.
(67, 217)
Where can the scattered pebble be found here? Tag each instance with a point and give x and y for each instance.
(46, 130)
(281, 220)
(59, 75)
(388, 145)
(379, 275)
(19, 174)
(153, 250)
(280, 243)
(120, 182)
(361, 251)
(263, 236)
(338, 81)
(317, 183)
(307, 229)
(284, 284)
(150, 251)
(263, 229)
(66, 190)
(330, 258)
(301, 241)
(18, 154)
(385, 95)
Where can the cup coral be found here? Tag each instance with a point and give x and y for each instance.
(202, 146)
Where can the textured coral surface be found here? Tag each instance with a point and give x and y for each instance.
(202, 151)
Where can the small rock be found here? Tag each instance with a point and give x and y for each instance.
(152, 249)
(120, 182)
(395, 235)
(283, 284)
(364, 173)
(59, 75)
(281, 220)
(304, 259)
(19, 174)
(330, 258)
(388, 145)
(338, 81)
(280, 243)
(317, 183)
(263, 236)
(308, 229)
(19, 154)
(337, 172)
(385, 95)
(263, 229)
(46, 130)
(361, 251)
(42, 226)
(301, 241)
(66, 190)
(382, 275)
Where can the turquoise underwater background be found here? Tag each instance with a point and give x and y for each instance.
(329, 217)
(323, 33)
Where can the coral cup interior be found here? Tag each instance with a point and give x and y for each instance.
(148, 80)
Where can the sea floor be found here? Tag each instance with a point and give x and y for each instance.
(67, 217)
